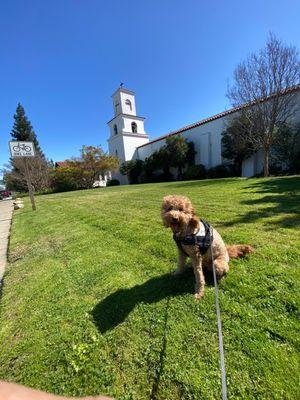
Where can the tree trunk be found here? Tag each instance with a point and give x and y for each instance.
(179, 175)
(266, 162)
(238, 163)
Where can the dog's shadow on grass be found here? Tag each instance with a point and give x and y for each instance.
(114, 309)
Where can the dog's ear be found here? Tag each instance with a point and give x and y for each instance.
(165, 201)
(194, 223)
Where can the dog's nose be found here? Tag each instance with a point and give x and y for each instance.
(174, 219)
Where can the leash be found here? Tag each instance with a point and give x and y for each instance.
(205, 242)
(220, 335)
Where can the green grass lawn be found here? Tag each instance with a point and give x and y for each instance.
(88, 305)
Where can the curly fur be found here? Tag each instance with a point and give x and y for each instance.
(178, 213)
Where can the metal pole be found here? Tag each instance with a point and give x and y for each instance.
(28, 180)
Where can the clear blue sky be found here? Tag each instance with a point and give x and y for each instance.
(62, 59)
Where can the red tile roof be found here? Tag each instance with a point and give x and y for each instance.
(220, 115)
(61, 164)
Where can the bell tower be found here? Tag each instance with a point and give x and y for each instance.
(126, 128)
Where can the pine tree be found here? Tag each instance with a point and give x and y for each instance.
(38, 166)
(22, 130)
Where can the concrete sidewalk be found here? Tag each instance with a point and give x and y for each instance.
(6, 210)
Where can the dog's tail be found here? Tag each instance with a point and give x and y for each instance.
(239, 250)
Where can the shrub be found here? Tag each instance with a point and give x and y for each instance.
(113, 182)
(275, 169)
(220, 171)
(194, 172)
(164, 177)
(151, 177)
(236, 144)
(176, 153)
(65, 179)
(295, 167)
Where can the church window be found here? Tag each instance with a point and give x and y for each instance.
(134, 127)
(115, 129)
(128, 103)
(116, 153)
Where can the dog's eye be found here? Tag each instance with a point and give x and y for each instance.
(180, 209)
(169, 208)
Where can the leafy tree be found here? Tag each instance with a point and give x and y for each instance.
(51, 164)
(262, 82)
(82, 172)
(96, 162)
(286, 150)
(236, 146)
(15, 178)
(68, 177)
(160, 160)
(133, 170)
(190, 157)
(150, 166)
(176, 152)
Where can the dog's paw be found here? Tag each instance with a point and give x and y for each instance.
(198, 296)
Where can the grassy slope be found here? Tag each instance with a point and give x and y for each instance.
(88, 305)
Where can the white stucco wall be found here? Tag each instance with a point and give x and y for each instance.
(131, 143)
(207, 142)
(124, 147)
(116, 146)
(126, 142)
(119, 98)
(119, 123)
(127, 121)
(206, 139)
(125, 107)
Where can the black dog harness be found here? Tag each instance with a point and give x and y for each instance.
(203, 239)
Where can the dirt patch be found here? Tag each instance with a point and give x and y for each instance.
(18, 253)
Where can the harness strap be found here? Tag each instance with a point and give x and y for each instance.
(203, 242)
(179, 245)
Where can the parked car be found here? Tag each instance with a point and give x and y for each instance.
(5, 195)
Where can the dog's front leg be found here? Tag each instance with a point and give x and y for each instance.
(200, 281)
(180, 264)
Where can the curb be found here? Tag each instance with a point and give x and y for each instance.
(6, 211)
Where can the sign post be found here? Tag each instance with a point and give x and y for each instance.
(24, 150)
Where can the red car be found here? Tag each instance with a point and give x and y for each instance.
(4, 194)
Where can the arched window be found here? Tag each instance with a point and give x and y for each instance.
(128, 103)
(116, 153)
(115, 129)
(134, 127)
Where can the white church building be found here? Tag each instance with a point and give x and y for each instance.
(128, 139)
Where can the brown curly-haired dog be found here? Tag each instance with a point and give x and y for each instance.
(178, 213)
